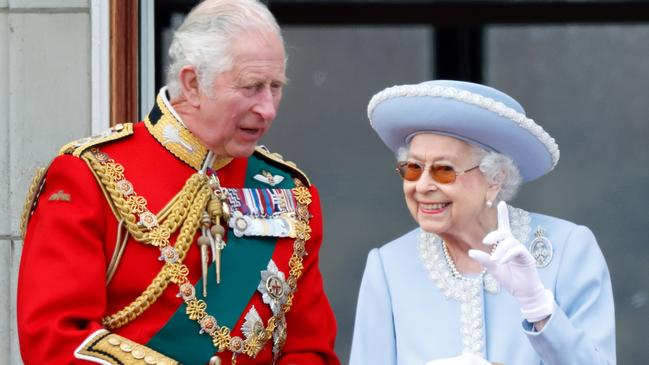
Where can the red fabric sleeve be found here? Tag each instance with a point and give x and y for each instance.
(311, 330)
(61, 283)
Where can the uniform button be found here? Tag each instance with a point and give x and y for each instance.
(126, 347)
(138, 354)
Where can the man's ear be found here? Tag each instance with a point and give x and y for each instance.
(189, 86)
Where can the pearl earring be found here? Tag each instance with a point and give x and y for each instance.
(489, 203)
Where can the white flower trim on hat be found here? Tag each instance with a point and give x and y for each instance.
(473, 99)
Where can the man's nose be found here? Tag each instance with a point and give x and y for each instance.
(266, 105)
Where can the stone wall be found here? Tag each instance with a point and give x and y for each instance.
(44, 103)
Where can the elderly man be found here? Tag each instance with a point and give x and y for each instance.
(177, 239)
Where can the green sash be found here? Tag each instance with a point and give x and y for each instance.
(242, 261)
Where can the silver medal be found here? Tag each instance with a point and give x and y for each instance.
(541, 248)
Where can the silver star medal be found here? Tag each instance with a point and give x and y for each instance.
(273, 287)
(240, 224)
(541, 248)
(252, 325)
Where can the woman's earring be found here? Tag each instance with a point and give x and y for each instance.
(489, 203)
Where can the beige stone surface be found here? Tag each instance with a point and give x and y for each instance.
(49, 86)
(4, 125)
(48, 4)
(5, 298)
(16, 250)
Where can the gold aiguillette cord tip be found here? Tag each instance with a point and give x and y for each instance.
(204, 243)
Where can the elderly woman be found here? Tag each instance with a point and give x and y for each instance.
(479, 282)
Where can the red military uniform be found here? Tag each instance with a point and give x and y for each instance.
(99, 281)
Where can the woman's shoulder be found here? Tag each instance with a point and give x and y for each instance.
(398, 261)
(402, 248)
(408, 240)
(555, 226)
(550, 219)
(563, 234)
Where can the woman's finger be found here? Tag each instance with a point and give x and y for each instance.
(516, 253)
(483, 258)
(503, 217)
(504, 246)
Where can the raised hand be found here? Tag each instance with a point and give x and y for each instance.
(515, 269)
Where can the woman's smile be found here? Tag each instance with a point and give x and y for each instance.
(433, 208)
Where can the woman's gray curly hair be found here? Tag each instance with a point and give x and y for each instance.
(205, 38)
(496, 168)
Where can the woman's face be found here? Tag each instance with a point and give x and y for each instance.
(445, 208)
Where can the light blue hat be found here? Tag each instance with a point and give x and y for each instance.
(471, 112)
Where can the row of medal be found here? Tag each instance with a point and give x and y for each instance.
(262, 212)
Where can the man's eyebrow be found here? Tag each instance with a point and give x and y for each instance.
(283, 80)
(248, 79)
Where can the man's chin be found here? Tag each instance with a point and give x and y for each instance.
(240, 151)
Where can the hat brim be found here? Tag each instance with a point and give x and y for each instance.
(397, 119)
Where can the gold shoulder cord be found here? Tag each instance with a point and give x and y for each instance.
(74, 148)
(32, 196)
(187, 209)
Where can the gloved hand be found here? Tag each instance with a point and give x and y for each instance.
(513, 266)
(466, 359)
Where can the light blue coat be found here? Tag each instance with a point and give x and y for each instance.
(403, 318)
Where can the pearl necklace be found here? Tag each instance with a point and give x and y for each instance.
(466, 290)
(453, 268)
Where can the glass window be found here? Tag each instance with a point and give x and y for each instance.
(587, 86)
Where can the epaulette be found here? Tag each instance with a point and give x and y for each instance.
(277, 159)
(76, 148)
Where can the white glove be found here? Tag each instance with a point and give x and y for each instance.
(512, 265)
(466, 359)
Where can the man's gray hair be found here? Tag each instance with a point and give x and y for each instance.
(205, 38)
(496, 168)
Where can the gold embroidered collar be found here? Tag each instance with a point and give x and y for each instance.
(167, 128)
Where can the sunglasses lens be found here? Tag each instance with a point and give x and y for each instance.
(409, 171)
(412, 171)
(443, 174)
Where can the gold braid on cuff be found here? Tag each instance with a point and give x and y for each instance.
(106, 347)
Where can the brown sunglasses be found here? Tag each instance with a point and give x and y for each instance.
(443, 174)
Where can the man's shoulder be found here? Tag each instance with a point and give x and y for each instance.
(118, 132)
(279, 162)
(70, 162)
